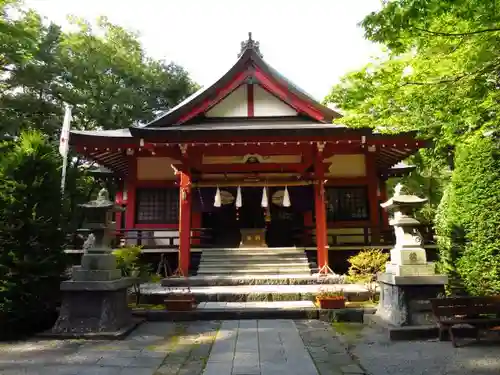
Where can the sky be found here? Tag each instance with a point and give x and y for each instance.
(311, 42)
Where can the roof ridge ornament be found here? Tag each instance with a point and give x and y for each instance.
(250, 44)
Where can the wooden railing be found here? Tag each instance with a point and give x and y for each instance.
(158, 238)
(363, 236)
(161, 238)
(166, 238)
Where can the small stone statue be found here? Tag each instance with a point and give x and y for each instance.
(89, 243)
(397, 189)
(417, 237)
(103, 195)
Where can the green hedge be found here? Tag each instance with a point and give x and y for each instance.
(32, 260)
(468, 219)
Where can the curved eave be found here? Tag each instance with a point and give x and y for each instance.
(105, 147)
(87, 138)
(400, 170)
(214, 132)
(113, 160)
(249, 56)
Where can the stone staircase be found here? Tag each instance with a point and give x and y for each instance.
(256, 261)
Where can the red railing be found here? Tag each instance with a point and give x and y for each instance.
(364, 236)
(168, 238)
(158, 238)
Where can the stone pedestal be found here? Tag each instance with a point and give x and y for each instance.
(404, 300)
(98, 308)
(94, 303)
(409, 281)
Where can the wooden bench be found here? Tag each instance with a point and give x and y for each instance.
(478, 312)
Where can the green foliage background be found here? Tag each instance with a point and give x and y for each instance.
(109, 80)
(32, 261)
(437, 74)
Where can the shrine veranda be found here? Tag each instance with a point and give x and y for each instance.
(252, 164)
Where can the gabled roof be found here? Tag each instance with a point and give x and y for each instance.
(249, 68)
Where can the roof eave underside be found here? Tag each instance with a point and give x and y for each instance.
(110, 150)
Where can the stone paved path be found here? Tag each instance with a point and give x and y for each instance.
(154, 348)
(278, 347)
(380, 356)
(245, 347)
(263, 347)
(328, 352)
(282, 305)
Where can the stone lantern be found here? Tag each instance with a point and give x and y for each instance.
(95, 299)
(409, 280)
(408, 257)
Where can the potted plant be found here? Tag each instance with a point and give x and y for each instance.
(180, 299)
(330, 300)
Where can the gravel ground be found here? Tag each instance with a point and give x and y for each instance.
(380, 356)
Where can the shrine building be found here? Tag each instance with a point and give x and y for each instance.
(251, 161)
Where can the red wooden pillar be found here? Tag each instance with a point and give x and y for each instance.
(184, 222)
(119, 201)
(320, 208)
(130, 186)
(373, 189)
(383, 198)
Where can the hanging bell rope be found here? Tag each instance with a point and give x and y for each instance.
(238, 198)
(264, 202)
(217, 200)
(286, 198)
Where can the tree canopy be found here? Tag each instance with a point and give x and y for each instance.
(104, 73)
(439, 75)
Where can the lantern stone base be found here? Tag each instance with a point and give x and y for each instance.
(404, 306)
(404, 300)
(81, 274)
(411, 270)
(92, 309)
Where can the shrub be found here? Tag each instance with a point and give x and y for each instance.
(128, 261)
(364, 267)
(32, 260)
(475, 214)
(449, 240)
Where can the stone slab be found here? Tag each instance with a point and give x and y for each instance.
(416, 332)
(92, 286)
(80, 274)
(222, 314)
(329, 353)
(116, 335)
(349, 289)
(84, 311)
(412, 256)
(239, 349)
(407, 304)
(98, 261)
(412, 280)
(268, 279)
(398, 270)
(257, 305)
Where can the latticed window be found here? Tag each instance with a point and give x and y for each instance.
(157, 206)
(347, 203)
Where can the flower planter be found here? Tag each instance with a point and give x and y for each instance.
(180, 302)
(330, 303)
